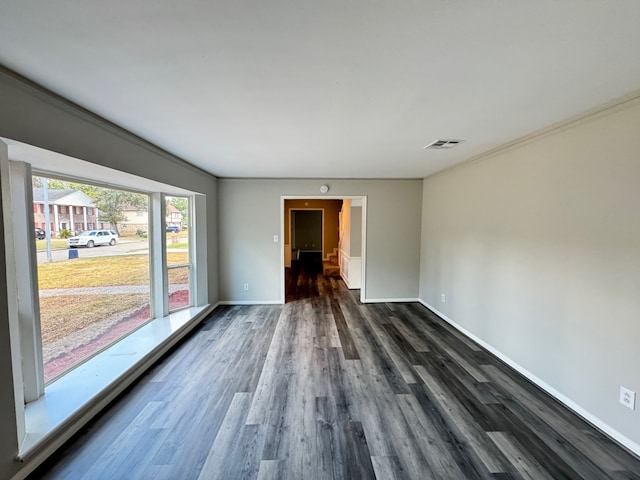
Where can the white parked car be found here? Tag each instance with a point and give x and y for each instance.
(91, 238)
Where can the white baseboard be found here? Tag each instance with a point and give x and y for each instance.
(390, 300)
(592, 419)
(350, 270)
(249, 302)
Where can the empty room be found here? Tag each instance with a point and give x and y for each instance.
(313, 240)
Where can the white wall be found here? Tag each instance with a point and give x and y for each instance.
(355, 226)
(249, 217)
(349, 257)
(345, 227)
(537, 250)
(30, 115)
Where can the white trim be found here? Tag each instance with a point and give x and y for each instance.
(390, 300)
(157, 259)
(592, 419)
(198, 248)
(12, 294)
(282, 266)
(192, 254)
(363, 252)
(345, 262)
(191, 250)
(362, 198)
(47, 163)
(26, 271)
(250, 302)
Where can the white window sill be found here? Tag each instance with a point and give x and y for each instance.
(74, 398)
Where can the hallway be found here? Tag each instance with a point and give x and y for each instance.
(301, 279)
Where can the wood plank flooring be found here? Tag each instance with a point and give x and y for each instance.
(327, 388)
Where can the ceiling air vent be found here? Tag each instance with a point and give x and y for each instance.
(442, 144)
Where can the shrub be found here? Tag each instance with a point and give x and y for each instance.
(64, 233)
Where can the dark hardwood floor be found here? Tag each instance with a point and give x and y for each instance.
(325, 387)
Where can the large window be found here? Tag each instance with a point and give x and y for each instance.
(93, 262)
(66, 313)
(93, 285)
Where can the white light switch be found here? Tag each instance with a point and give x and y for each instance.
(275, 239)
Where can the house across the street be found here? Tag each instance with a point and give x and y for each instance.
(69, 210)
(137, 220)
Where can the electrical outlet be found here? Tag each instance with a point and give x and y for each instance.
(627, 398)
(275, 239)
(443, 298)
(246, 286)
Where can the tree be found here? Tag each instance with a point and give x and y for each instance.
(52, 183)
(111, 203)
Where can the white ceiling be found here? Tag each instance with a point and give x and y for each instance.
(350, 89)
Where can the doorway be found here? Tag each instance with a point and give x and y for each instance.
(316, 245)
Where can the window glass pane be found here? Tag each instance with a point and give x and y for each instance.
(176, 221)
(179, 288)
(95, 289)
(177, 254)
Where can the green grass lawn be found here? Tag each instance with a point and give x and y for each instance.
(76, 319)
(177, 245)
(55, 243)
(62, 316)
(104, 271)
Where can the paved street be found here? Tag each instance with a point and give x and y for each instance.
(120, 248)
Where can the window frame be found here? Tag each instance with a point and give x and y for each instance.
(190, 261)
(18, 212)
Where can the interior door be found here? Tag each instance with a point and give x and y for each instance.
(307, 230)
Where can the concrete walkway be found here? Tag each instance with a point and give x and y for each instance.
(111, 290)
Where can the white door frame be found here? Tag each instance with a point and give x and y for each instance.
(363, 198)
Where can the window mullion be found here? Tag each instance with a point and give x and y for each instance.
(157, 257)
(198, 251)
